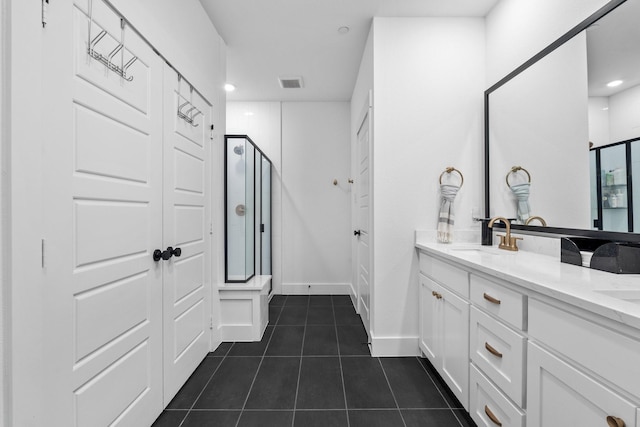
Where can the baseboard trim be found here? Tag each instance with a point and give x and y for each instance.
(394, 346)
(316, 289)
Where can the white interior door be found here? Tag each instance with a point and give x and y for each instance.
(363, 221)
(103, 209)
(187, 304)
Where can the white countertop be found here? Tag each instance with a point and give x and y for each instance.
(615, 296)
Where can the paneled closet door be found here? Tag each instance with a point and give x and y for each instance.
(103, 209)
(186, 278)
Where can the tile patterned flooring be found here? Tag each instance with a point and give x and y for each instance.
(312, 368)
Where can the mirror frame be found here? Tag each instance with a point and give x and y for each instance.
(539, 230)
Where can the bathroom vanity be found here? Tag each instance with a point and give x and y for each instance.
(525, 340)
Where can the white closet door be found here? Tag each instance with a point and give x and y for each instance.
(187, 301)
(363, 220)
(103, 207)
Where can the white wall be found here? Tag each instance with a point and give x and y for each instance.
(308, 143)
(261, 121)
(518, 29)
(428, 82)
(623, 112)
(316, 214)
(599, 120)
(184, 35)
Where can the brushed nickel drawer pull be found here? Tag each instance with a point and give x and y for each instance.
(490, 298)
(492, 417)
(615, 421)
(492, 350)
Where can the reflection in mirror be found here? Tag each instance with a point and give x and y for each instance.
(538, 121)
(545, 117)
(614, 101)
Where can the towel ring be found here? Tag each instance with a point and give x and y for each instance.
(515, 169)
(449, 170)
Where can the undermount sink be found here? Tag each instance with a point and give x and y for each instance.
(630, 295)
(489, 250)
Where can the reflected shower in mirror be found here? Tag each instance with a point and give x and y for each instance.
(546, 113)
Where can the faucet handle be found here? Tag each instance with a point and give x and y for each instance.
(513, 242)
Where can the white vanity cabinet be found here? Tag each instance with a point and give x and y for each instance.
(444, 323)
(561, 395)
(581, 370)
(545, 345)
(497, 347)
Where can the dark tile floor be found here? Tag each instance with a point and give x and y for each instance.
(312, 368)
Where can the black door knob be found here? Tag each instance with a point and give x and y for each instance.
(157, 255)
(356, 232)
(167, 254)
(175, 252)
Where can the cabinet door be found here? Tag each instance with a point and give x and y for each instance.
(454, 344)
(429, 313)
(560, 395)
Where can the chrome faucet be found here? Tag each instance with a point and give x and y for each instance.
(507, 241)
(539, 218)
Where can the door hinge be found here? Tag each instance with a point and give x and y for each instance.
(45, 12)
(42, 253)
(211, 323)
(211, 228)
(211, 135)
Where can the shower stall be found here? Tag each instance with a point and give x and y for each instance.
(247, 210)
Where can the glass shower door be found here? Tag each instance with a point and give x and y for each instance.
(265, 225)
(240, 209)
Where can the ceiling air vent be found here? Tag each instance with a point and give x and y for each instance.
(290, 82)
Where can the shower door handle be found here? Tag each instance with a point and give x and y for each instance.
(356, 232)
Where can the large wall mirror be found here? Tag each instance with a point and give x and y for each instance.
(546, 120)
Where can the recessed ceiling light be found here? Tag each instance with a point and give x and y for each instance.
(248, 113)
(605, 108)
(614, 83)
(229, 87)
(344, 30)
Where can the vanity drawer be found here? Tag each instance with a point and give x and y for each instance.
(505, 303)
(486, 402)
(499, 352)
(446, 274)
(608, 353)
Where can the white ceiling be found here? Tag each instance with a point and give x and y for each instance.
(271, 38)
